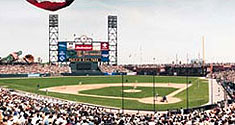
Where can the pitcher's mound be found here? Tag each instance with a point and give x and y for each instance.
(132, 90)
(158, 100)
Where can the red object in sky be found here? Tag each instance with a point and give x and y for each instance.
(51, 5)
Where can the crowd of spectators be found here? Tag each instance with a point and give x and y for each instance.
(227, 80)
(51, 69)
(113, 69)
(145, 66)
(18, 108)
(33, 69)
(227, 76)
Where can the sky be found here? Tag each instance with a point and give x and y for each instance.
(147, 29)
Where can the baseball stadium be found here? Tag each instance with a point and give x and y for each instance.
(83, 83)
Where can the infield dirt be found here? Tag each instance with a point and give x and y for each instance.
(74, 89)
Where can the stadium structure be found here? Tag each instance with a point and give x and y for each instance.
(83, 84)
(83, 54)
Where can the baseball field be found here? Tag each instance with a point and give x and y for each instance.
(107, 90)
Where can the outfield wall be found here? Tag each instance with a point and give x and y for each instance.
(23, 75)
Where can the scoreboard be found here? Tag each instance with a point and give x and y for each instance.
(83, 49)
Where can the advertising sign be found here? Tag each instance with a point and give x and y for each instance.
(62, 46)
(89, 54)
(96, 46)
(62, 56)
(70, 45)
(33, 75)
(104, 46)
(105, 56)
(92, 54)
(83, 47)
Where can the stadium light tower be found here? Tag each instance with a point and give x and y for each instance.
(113, 40)
(53, 37)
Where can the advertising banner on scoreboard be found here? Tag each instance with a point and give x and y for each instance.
(89, 54)
(62, 46)
(105, 56)
(104, 46)
(70, 45)
(83, 47)
(62, 56)
(96, 46)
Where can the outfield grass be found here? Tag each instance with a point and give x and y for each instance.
(116, 91)
(198, 92)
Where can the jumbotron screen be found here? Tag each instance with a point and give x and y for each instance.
(72, 51)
